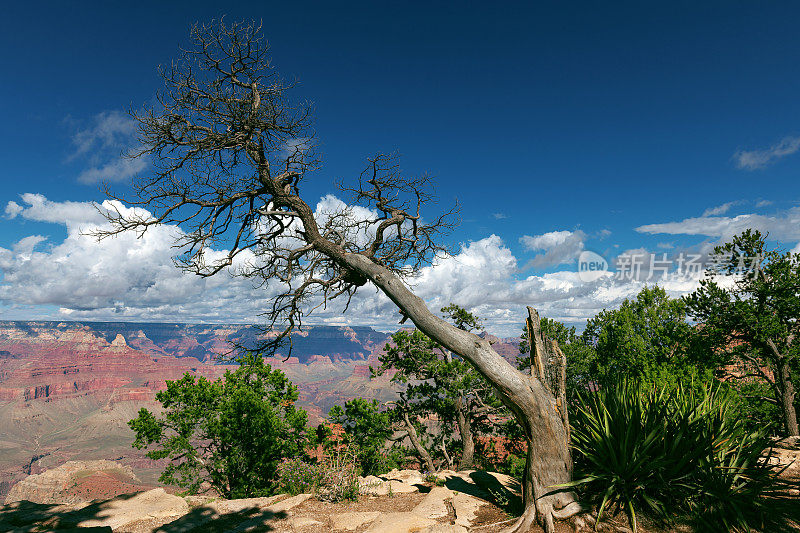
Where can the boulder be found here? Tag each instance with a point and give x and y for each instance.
(237, 506)
(288, 503)
(263, 519)
(60, 484)
(398, 487)
(466, 508)
(382, 488)
(411, 477)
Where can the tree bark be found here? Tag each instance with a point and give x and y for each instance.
(787, 399)
(467, 459)
(549, 364)
(784, 386)
(448, 460)
(548, 462)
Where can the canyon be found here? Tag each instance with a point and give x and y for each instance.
(68, 389)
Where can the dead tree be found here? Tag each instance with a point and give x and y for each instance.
(548, 365)
(230, 152)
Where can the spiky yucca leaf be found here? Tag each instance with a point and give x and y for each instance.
(678, 455)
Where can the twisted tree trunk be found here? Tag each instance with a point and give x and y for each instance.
(536, 408)
(417, 444)
(222, 176)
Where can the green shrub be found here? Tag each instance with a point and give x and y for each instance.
(334, 478)
(629, 452)
(296, 476)
(682, 454)
(511, 465)
(230, 433)
(366, 430)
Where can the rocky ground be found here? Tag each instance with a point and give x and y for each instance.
(400, 501)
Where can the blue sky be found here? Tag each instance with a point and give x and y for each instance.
(558, 127)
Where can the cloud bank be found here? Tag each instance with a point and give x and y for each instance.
(784, 226)
(130, 278)
(559, 247)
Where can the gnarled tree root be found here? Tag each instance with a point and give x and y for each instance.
(548, 517)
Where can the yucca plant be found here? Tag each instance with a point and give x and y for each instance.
(736, 487)
(683, 454)
(631, 452)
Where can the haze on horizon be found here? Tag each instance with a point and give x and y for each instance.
(626, 130)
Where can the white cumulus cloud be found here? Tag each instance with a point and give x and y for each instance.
(559, 247)
(720, 209)
(130, 278)
(13, 209)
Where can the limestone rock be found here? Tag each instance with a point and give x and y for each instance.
(411, 477)
(433, 505)
(196, 500)
(466, 508)
(353, 521)
(444, 528)
(237, 506)
(398, 487)
(301, 522)
(57, 485)
(378, 487)
(399, 523)
(288, 503)
(153, 504)
(264, 519)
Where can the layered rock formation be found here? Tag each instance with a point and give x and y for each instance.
(68, 389)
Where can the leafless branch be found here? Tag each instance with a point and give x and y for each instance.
(230, 151)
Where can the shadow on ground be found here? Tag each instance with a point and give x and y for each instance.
(205, 520)
(486, 487)
(29, 517)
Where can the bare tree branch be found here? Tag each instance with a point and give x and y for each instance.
(230, 151)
